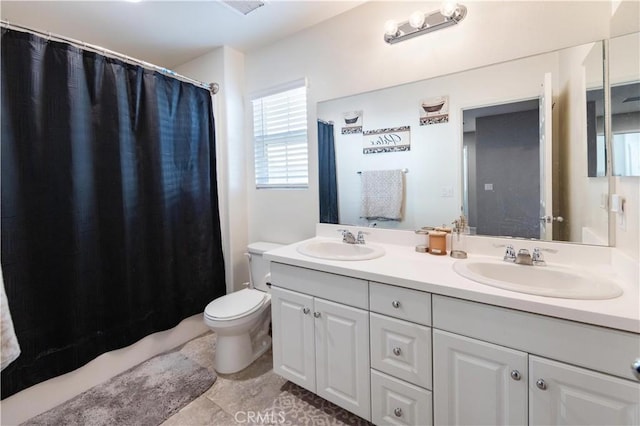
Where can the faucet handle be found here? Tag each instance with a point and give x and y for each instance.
(347, 236)
(361, 235)
(537, 258)
(509, 254)
(344, 232)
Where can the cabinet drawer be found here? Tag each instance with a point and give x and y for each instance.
(398, 302)
(401, 348)
(338, 288)
(398, 403)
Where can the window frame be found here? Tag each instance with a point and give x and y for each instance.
(300, 146)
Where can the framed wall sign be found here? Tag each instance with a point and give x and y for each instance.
(352, 122)
(392, 139)
(434, 111)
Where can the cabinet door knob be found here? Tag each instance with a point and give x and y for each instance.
(398, 412)
(305, 311)
(395, 304)
(541, 384)
(636, 368)
(397, 351)
(316, 314)
(515, 375)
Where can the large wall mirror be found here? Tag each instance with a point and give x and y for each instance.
(507, 144)
(624, 76)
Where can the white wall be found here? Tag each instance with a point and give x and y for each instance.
(625, 67)
(347, 55)
(581, 203)
(226, 67)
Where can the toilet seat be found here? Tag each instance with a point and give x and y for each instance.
(235, 305)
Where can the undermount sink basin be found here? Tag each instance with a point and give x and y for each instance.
(334, 250)
(550, 281)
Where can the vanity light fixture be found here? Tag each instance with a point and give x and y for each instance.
(421, 23)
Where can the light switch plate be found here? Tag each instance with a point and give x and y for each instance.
(447, 191)
(617, 204)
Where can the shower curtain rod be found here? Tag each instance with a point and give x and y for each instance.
(212, 87)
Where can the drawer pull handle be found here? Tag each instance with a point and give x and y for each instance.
(397, 351)
(305, 311)
(515, 375)
(541, 384)
(395, 304)
(316, 314)
(636, 368)
(398, 412)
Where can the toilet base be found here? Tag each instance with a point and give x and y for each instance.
(235, 353)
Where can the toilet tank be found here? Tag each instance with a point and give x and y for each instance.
(260, 268)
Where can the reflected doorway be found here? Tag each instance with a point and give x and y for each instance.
(501, 146)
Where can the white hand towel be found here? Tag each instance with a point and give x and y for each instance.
(9, 348)
(382, 194)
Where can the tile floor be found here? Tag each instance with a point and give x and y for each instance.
(254, 396)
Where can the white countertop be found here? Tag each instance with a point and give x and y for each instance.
(404, 267)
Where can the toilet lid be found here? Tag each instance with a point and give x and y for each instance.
(235, 304)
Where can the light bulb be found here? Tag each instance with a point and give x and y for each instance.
(416, 20)
(391, 28)
(448, 8)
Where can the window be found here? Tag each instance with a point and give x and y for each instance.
(280, 138)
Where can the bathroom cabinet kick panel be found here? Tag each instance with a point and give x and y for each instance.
(403, 267)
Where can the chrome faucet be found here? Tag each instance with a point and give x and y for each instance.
(537, 258)
(349, 238)
(509, 254)
(524, 258)
(360, 239)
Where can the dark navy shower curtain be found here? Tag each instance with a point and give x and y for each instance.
(110, 223)
(327, 181)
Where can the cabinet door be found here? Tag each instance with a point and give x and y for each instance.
(342, 356)
(560, 394)
(293, 340)
(477, 383)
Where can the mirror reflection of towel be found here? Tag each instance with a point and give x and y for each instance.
(9, 350)
(382, 194)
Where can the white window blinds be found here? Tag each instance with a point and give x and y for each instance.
(280, 139)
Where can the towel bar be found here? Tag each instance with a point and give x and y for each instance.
(405, 170)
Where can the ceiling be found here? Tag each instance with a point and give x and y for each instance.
(169, 33)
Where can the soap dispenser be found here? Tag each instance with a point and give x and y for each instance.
(458, 238)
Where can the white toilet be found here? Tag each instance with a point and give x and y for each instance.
(241, 319)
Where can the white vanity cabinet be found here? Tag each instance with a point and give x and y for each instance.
(568, 395)
(318, 343)
(499, 366)
(477, 382)
(293, 329)
(400, 355)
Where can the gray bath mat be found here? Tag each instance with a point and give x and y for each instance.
(146, 394)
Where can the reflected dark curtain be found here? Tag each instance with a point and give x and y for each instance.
(110, 222)
(328, 186)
